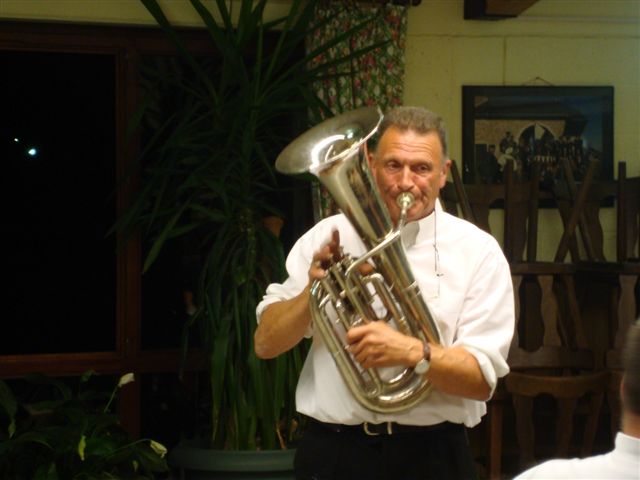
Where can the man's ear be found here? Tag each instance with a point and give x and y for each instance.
(369, 154)
(445, 172)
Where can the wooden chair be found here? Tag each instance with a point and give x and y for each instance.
(625, 314)
(609, 288)
(556, 362)
(454, 196)
(628, 224)
(571, 202)
(581, 212)
(626, 302)
(553, 366)
(581, 207)
(519, 201)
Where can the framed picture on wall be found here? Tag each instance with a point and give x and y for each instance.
(526, 124)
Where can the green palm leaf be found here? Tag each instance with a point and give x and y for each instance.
(212, 130)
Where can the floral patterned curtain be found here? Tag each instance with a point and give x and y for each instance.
(375, 78)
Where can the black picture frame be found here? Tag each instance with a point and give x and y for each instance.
(543, 123)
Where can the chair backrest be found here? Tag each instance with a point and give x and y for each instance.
(628, 218)
(624, 316)
(549, 332)
(571, 201)
(454, 196)
(581, 207)
(518, 199)
(557, 362)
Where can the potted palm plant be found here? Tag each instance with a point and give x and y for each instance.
(207, 175)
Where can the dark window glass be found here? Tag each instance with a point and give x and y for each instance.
(57, 148)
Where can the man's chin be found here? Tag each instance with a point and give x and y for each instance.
(414, 216)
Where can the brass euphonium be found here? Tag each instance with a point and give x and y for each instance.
(335, 152)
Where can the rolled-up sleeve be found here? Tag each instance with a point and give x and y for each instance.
(299, 259)
(486, 322)
(297, 265)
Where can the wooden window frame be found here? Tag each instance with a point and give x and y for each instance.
(127, 44)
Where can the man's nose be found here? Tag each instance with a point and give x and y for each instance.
(405, 182)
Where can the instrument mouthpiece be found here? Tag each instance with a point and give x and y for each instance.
(405, 200)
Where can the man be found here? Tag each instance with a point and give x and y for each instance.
(463, 277)
(488, 167)
(624, 460)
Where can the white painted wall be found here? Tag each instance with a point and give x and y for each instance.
(563, 42)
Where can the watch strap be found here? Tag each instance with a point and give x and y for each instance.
(426, 351)
(424, 363)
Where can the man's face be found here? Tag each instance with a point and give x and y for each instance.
(406, 161)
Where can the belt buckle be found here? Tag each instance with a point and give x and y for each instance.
(365, 427)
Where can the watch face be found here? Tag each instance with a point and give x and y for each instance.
(421, 367)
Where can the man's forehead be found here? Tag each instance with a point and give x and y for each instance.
(409, 142)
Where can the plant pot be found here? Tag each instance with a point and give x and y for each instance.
(194, 461)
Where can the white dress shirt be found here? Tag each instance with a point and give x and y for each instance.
(471, 299)
(622, 462)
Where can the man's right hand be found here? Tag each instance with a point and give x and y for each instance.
(283, 324)
(323, 258)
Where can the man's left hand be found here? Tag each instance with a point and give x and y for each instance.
(377, 344)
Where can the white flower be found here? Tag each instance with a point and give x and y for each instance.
(158, 448)
(126, 378)
(82, 445)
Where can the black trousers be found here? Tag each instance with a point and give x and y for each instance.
(441, 452)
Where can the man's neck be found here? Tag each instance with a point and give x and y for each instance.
(631, 424)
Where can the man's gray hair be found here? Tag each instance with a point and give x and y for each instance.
(417, 119)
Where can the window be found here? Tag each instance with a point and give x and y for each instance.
(58, 148)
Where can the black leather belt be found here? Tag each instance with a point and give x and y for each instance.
(387, 428)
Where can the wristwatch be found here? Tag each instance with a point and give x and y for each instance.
(423, 365)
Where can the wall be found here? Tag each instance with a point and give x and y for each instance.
(562, 42)
(130, 12)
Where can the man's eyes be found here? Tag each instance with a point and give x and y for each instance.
(419, 168)
(393, 166)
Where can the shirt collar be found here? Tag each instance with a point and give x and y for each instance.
(421, 230)
(628, 444)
